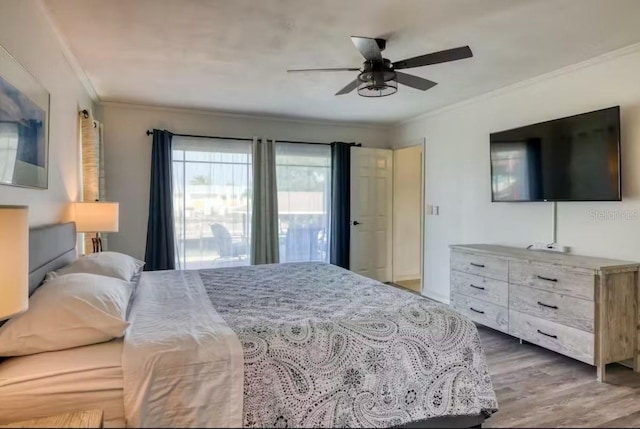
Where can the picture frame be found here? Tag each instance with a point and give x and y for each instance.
(24, 126)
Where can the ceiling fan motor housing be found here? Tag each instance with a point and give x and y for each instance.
(377, 79)
(376, 73)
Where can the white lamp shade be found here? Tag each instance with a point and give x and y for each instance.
(97, 216)
(14, 260)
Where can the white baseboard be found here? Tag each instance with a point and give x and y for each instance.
(436, 296)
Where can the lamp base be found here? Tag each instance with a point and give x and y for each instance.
(97, 243)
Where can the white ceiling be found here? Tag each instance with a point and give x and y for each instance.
(231, 55)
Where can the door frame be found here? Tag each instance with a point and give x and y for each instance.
(422, 142)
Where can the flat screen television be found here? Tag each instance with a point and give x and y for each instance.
(569, 159)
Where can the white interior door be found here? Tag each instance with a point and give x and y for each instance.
(371, 208)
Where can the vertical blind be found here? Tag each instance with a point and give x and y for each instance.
(212, 196)
(93, 184)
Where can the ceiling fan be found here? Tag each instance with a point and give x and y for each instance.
(379, 77)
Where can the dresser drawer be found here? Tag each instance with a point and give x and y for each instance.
(482, 265)
(491, 315)
(566, 310)
(484, 288)
(562, 280)
(553, 336)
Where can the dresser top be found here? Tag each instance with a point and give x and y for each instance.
(565, 259)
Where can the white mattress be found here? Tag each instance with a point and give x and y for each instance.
(52, 383)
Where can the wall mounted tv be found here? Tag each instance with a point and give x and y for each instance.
(570, 159)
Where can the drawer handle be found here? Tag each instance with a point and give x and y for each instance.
(477, 265)
(477, 311)
(555, 307)
(548, 335)
(547, 279)
(476, 287)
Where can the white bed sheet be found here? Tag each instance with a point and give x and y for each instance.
(182, 364)
(52, 383)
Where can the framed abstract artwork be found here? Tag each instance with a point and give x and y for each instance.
(24, 126)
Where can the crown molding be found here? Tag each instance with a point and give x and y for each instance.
(234, 115)
(608, 56)
(68, 54)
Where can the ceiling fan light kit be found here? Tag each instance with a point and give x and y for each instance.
(371, 89)
(379, 77)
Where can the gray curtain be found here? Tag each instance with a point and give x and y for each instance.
(264, 210)
(161, 249)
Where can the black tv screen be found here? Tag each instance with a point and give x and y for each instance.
(570, 159)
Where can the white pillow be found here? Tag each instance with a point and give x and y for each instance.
(69, 311)
(110, 264)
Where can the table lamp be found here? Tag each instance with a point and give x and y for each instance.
(14, 260)
(96, 217)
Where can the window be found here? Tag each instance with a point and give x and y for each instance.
(304, 191)
(212, 202)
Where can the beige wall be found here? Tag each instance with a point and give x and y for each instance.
(458, 174)
(128, 152)
(26, 33)
(407, 212)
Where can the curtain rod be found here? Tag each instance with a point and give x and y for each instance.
(150, 133)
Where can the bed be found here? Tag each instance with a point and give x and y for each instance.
(289, 345)
(81, 378)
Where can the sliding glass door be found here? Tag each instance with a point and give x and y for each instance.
(212, 194)
(304, 193)
(212, 202)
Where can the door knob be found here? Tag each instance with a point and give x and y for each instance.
(355, 222)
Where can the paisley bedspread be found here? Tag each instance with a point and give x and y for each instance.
(325, 347)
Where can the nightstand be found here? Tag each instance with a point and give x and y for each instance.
(77, 419)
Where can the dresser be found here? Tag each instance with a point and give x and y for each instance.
(582, 307)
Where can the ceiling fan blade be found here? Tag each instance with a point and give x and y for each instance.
(414, 81)
(435, 58)
(368, 47)
(347, 89)
(323, 70)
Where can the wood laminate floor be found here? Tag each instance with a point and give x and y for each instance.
(538, 388)
(413, 285)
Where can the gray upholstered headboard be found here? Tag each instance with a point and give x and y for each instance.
(50, 247)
